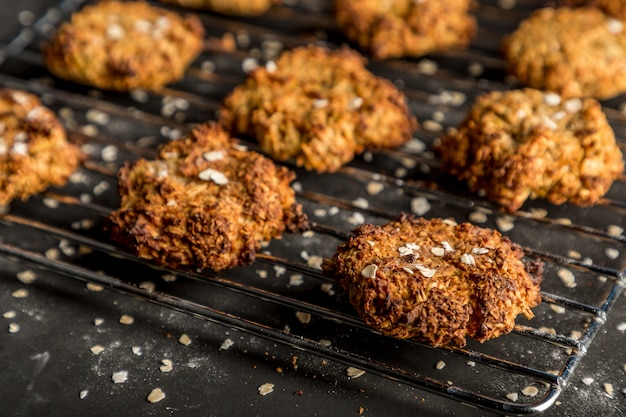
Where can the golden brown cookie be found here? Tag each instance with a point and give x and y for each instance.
(526, 143)
(230, 7)
(397, 28)
(34, 151)
(615, 8)
(205, 202)
(574, 52)
(320, 107)
(120, 45)
(435, 280)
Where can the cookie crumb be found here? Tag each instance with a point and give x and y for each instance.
(167, 366)
(184, 339)
(226, 344)
(440, 365)
(119, 377)
(530, 391)
(126, 319)
(512, 396)
(97, 349)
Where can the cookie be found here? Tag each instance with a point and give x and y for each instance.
(229, 7)
(436, 280)
(574, 52)
(399, 28)
(118, 45)
(615, 8)
(204, 202)
(522, 144)
(34, 151)
(319, 107)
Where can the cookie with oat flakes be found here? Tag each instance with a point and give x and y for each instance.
(229, 7)
(522, 144)
(397, 28)
(320, 107)
(121, 45)
(34, 151)
(574, 52)
(204, 202)
(436, 280)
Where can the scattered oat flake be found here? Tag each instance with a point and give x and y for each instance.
(512, 396)
(327, 287)
(621, 327)
(420, 206)
(567, 277)
(94, 287)
(315, 261)
(136, 350)
(265, 389)
(548, 330)
(14, 327)
(97, 349)
(361, 203)
(11, 314)
(295, 280)
(530, 391)
(168, 277)
(614, 230)
(27, 276)
(279, 270)
(374, 188)
(608, 388)
(147, 285)
(504, 224)
(611, 253)
(184, 339)
(126, 319)
(21, 293)
(226, 344)
(471, 363)
(587, 381)
(98, 321)
(356, 219)
(574, 254)
(576, 335)
(119, 377)
(83, 394)
(303, 317)
(370, 271)
(156, 395)
(557, 308)
(477, 217)
(167, 366)
(404, 251)
(353, 372)
(440, 365)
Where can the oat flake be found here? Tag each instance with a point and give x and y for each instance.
(14, 327)
(265, 389)
(353, 372)
(126, 319)
(226, 344)
(184, 340)
(530, 391)
(303, 317)
(369, 271)
(21, 293)
(27, 276)
(156, 395)
(119, 377)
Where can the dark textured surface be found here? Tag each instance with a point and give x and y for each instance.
(48, 363)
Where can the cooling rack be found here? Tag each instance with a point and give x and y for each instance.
(283, 296)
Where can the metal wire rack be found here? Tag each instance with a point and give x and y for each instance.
(283, 296)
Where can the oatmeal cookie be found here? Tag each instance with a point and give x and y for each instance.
(320, 107)
(204, 202)
(34, 151)
(119, 45)
(397, 28)
(526, 143)
(615, 8)
(229, 7)
(574, 52)
(436, 280)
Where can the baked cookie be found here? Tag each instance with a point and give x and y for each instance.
(320, 107)
(615, 8)
(204, 202)
(119, 45)
(526, 143)
(397, 28)
(574, 52)
(34, 151)
(230, 7)
(435, 280)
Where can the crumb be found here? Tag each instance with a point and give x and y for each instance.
(27, 276)
(265, 389)
(303, 317)
(184, 340)
(530, 391)
(94, 287)
(226, 344)
(126, 319)
(97, 349)
(440, 365)
(21, 293)
(14, 327)
(119, 377)
(167, 366)
(354, 372)
(156, 395)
